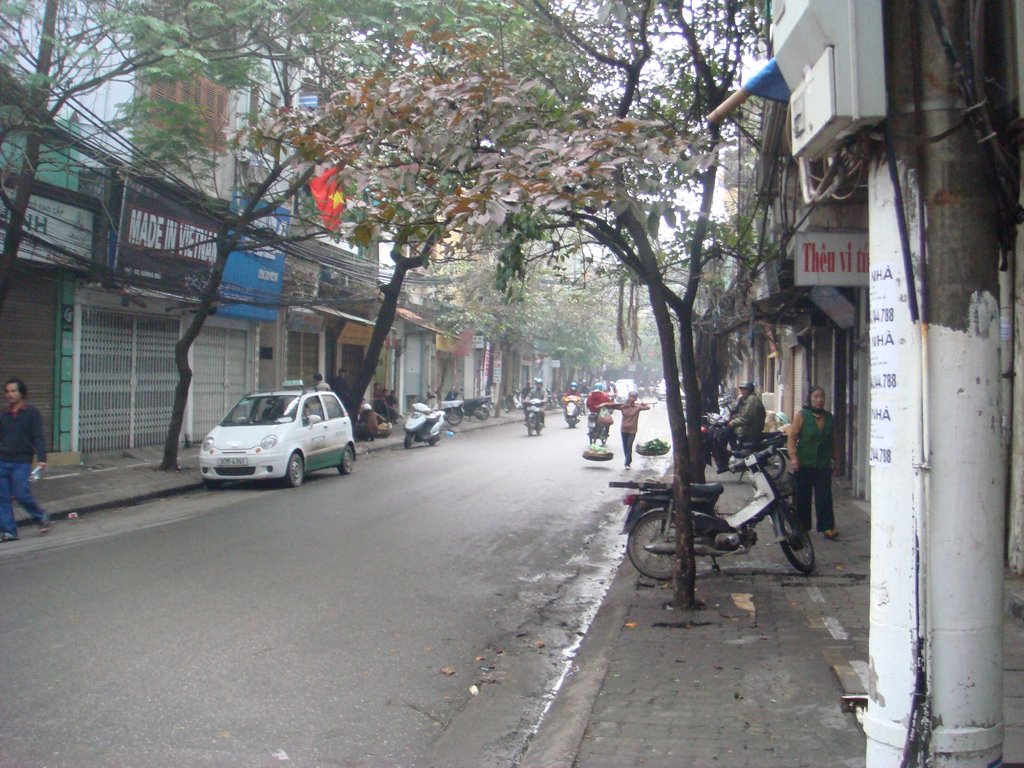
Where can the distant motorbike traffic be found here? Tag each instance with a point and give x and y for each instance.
(534, 415)
(572, 407)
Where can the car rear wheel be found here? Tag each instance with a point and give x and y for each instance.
(296, 471)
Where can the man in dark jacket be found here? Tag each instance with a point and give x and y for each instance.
(746, 422)
(21, 438)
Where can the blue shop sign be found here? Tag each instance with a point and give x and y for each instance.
(251, 287)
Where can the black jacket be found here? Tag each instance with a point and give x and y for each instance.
(21, 435)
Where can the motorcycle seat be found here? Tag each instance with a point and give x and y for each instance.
(706, 489)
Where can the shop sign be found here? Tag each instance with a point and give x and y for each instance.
(251, 286)
(356, 333)
(830, 257)
(163, 244)
(67, 227)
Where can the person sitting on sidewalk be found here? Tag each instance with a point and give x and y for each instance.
(367, 423)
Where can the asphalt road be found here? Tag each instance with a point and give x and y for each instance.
(419, 612)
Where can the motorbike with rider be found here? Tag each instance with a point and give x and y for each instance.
(745, 423)
(572, 405)
(533, 407)
(599, 419)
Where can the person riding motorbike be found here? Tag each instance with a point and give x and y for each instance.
(537, 391)
(597, 398)
(747, 421)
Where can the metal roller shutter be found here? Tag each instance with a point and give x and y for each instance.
(27, 344)
(126, 380)
(220, 358)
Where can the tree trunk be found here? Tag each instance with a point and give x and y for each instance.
(225, 245)
(386, 316)
(684, 572)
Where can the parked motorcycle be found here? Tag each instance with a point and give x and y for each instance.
(717, 454)
(453, 406)
(650, 523)
(534, 415)
(572, 407)
(423, 425)
(598, 424)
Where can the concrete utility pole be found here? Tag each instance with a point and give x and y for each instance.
(937, 472)
(1015, 548)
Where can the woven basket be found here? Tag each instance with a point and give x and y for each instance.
(641, 452)
(598, 455)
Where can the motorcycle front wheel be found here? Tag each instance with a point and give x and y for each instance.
(654, 527)
(453, 416)
(408, 440)
(797, 545)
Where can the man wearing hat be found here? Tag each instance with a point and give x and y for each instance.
(747, 421)
(750, 413)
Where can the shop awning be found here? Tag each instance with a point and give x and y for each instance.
(411, 317)
(343, 315)
(840, 310)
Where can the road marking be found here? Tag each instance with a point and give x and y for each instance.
(815, 595)
(835, 628)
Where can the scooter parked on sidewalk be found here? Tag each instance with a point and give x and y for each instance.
(534, 415)
(650, 523)
(572, 407)
(423, 425)
(453, 406)
(720, 456)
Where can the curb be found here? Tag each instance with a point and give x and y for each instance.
(564, 724)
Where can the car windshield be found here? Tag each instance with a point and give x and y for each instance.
(261, 409)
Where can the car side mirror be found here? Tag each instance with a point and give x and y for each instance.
(313, 419)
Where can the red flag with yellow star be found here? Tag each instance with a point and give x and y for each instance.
(329, 199)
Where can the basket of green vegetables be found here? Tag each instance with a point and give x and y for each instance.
(656, 447)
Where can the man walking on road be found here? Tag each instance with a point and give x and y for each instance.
(630, 422)
(21, 438)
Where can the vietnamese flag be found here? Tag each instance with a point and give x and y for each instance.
(329, 199)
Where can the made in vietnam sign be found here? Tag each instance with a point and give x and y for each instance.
(164, 244)
(835, 257)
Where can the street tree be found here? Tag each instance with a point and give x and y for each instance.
(56, 54)
(561, 305)
(467, 138)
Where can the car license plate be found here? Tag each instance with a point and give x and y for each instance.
(233, 461)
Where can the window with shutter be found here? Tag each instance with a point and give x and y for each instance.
(210, 101)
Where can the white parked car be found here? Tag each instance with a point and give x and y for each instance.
(287, 433)
(659, 392)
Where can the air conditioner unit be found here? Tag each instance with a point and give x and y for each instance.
(831, 55)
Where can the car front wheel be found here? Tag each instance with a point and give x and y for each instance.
(296, 471)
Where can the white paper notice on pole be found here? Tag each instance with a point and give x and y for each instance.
(888, 316)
